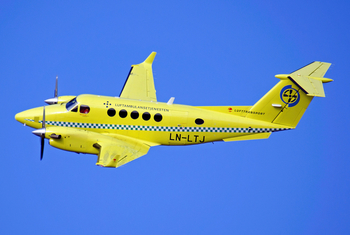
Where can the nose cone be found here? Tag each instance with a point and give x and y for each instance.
(31, 117)
(21, 116)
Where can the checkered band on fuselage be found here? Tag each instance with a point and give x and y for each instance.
(161, 128)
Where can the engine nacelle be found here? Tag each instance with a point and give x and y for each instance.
(74, 140)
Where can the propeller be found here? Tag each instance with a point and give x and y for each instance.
(56, 88)
(55, 99)
(41, 133)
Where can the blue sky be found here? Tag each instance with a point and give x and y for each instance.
(209, 53)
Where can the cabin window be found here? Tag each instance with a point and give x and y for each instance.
(199, 121)
(123, 113)
(158, 117)
(146, 116)
(84, 109)
(134, 114)
(111, 112)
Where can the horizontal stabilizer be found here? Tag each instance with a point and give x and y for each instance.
(310, 78)
(256, 136)
(314, 69)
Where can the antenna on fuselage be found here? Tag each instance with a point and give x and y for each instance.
(171, 101)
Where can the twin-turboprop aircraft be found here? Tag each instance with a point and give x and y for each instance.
(121, 129)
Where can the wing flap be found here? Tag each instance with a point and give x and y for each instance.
(139, 84)
(115, 153)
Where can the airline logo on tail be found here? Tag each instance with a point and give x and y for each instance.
(290, 96)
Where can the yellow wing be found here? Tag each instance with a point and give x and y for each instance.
(113, 150)
(115, 153)
(139, 84)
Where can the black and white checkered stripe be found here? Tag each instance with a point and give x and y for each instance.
(162, 128)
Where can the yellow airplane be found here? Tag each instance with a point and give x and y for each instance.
(121, 129)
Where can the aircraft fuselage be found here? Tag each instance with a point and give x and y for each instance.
(155, 122)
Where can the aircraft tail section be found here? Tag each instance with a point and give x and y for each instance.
(287, 101)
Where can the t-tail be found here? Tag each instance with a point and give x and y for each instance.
(287, 101)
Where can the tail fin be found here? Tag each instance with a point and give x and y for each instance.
(287, 101)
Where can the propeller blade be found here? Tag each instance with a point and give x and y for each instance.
(43, 123)
(54, 100)
(42, 147)
(56, 88)
(42, 136)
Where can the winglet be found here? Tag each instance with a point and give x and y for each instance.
(150, 58)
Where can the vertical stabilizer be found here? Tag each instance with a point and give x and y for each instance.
(287, 101)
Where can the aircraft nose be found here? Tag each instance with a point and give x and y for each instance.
(30, 117)
(20, 116)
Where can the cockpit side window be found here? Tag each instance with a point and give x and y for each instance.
(75, 109)
(71, 104)
(84, 109)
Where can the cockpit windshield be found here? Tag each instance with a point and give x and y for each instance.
(71, 104)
